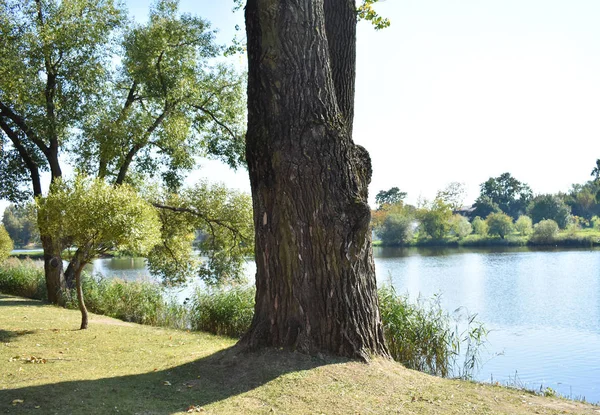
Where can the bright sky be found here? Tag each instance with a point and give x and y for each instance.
(463, 91)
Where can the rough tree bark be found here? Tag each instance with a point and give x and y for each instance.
(316, 289)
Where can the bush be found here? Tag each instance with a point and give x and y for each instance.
(524, 226)
(545, 232)
(499, 224)
(397, 229)
(6, 244)
(480, 226)
(460, 226)
(24, 278)
(223, 311)
(549, 207)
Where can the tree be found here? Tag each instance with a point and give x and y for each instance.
(511, 196)
(596, 171)
(545, 231)
(315, 280)
(524, 225)
(483, 206)
(549, 207)
(6, 244)
(454, 194)
(480, 226)
(61, 93)
(389, 197)
(460, 226)
(434, 219)
(396, 229)
(19, 222)
(499, 224)
(224, 220)
(97, 218)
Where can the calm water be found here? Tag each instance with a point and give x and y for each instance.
(542, 307)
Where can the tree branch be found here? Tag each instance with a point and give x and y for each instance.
(215, 119)
(25, 156)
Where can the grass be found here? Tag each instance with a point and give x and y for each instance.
(117, 367)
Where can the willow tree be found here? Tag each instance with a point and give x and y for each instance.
(316, 288)
(63, 98)
(96, 218)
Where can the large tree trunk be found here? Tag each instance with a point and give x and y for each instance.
(316, 288)
(53, 269)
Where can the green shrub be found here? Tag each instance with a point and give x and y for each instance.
(524, 225)
(545, 232)
(397, 229)
(499, 224)
(480, 226)
(6, 244)
(24, 278)
(460, 226)
(223, 311)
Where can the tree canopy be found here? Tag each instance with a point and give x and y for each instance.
(507, 193)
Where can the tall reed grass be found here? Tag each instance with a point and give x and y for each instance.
(420, 334)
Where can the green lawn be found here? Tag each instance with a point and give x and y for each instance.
(49, 367)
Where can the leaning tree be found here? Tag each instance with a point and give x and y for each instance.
(315, 280)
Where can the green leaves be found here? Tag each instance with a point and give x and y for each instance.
(219, 220)
(366, 12)
(96, 218)
(6, 244)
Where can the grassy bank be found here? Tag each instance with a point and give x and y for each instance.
(117, 367)
(421, 335)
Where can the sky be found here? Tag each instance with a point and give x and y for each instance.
(463, 90)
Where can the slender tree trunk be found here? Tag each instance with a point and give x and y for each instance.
(81, 302)
(316, 288)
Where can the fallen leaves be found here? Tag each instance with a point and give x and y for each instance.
(27, 359)
(194, 408)
(166, 383)
(16, 402)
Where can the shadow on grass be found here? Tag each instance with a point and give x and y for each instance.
(7, 300)
(211, 379)
(7, 336)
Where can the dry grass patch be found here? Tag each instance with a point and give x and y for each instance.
(48, 367)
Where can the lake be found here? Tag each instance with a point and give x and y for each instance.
(542, 306)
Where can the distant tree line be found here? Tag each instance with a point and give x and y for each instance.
(505, 206)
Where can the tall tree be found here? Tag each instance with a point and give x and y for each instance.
(509, 194)
(389, 197)
(53, 60)
(60, 93)
(316, 288)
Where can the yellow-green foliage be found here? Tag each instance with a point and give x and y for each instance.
(499, 224)
(96, 217)
(6, 244)
(524, 225)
